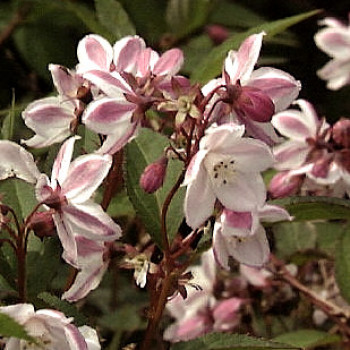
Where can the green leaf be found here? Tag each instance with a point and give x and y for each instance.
(211, 64)
(68, 309)
(308, 338)
(145, 149)
(8, 125)
(185, 16)
(112, 15)
(342, 264)
(43, 261)
(224, 341)
(10, 328)
(315, 208)
(19, 195)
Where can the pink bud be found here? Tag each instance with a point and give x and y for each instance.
(341, 132)
(42, 224)
(255, 104)
(153, 176)
(217, 33)
(321, 166)
(283, 184)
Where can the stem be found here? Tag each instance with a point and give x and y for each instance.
(21, 266)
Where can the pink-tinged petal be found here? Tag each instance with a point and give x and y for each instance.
(225, 314)
(94, 52)
(240, 64)
(284, 184)
(86, 280)
(65, 81)
(112, 84)
(66, 236)
(43, 188)
(220, 247)
(19, 312)
(217, 137)
(169, 62)
(91, 338)
(74, 338)
(62, 162)
(90, 221)
(245, 193)
(50, 119)
(126, 52)
(291, 124)
(146, 61)
(106, 116)
(85, 174)
(280, 86)
(255, 276)
(290, 155)
(15, 161)
(194, 167)
(199, 200)
(121, 136)
(336, 72)
(237, 219)
(331, 22)
(273, 213)
(334, 41)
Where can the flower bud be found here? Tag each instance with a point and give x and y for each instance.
(42, 224)
(283, 185)
(153, 176)
(322, 166)
(255, 104)
(341, 132)
(217, 33)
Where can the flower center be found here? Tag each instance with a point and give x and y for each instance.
(222, 171)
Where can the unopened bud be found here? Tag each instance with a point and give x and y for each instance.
(321, 166)
(42, 224)
(217, 33)
(153, 176)
(283, 185)
(341, 132)
(255, 104)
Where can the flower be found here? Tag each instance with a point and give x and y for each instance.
(241, 236)
(334, 40)
(227, 168)
(51, 329)
(251, 96)
(68, 196)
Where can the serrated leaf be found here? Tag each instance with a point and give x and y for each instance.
(112, 15)
(185, 16)
(308, 338)
(68, 309)
(342, 264)
(211, 64)
(222, 341)
(19, 195)
(10, 328)
(315, 208)
(145, 149)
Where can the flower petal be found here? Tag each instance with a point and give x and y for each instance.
(169, 63)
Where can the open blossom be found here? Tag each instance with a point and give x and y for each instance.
(51, 329)
(334, 40)
(251, 96)
(240, 235)
(129, 74)
(226, 168)
(202, 312)
(54, 118)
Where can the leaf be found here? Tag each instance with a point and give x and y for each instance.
(315, 208)
(211, 64)
(8, 125)
(224, 341)
(43, 263)
(19, 195)
(185, 16)
(145, 149)
(308, 338)
(68, 309)
(10, 328)
(112, 15)
(342, 265)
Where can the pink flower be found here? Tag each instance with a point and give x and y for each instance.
(226, 168)
(251, 96)
(68, 196)
(334, 40)
(51, 328)
(241, 236)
